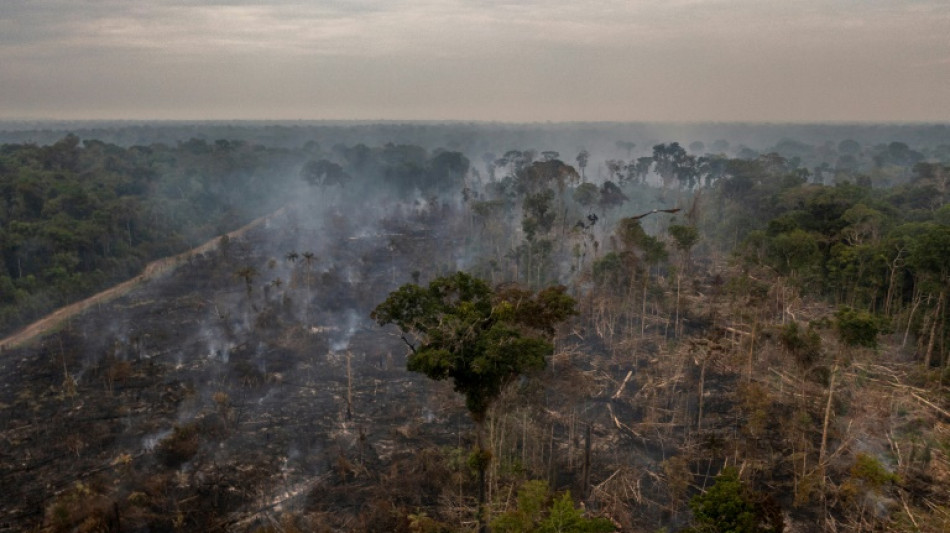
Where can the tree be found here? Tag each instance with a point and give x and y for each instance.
(446, 171)
(615, 170)
(247, 273)
(856, 328)
(324, 172)
(672, 162)
(541, 175)
(930, 260)
(611, 196)
(642, 168)
(309, 258)
(586, 194)
(540, 511)
(731, 507)
(794, 251)
(582, 157)
(480, 339)
(458, 328)
(686, 237)
(626, 145)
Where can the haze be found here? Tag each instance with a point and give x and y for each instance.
(671, 60)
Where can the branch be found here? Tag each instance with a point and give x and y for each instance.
(622, 385)
(409, 344)
(931, 405)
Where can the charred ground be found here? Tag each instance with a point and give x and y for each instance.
(247, 390)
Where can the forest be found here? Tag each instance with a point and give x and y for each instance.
(472, 327)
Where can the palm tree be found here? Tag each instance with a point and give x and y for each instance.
(309, 257)
(247, 273)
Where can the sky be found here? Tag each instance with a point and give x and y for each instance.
(478, 60)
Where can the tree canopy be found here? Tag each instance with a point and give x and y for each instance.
(479, 338)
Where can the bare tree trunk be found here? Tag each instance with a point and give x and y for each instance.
(482, 513)
(910, 319)
(933, 331)
(702, 385)
(824, 428)
(676, 322)
(755, 325)
(892, 281)
(643, 309)
(570, 442)
(585, 477)
(524, 438)
(349, 387)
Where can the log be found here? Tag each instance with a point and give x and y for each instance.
(622, 385)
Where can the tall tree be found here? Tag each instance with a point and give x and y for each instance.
(458, 328)
(582, 157)
(626, 145)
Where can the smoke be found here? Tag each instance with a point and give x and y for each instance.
(351, 319)
(150, 441)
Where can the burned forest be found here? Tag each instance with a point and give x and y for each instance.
(450, 327)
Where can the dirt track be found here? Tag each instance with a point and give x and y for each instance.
(155, 269)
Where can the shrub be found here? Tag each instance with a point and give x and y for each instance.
(730, 506)
(857, 328)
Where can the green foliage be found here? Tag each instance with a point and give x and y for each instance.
(730, 507)
(542, 175)
(324, 173)
(608, 271)
(685, 236)
(611, 196)
(478, 338)
(857, 328)
(930, 251)
(634, 238)
(586, 194)
(805, 346)
(871, 472)
(78, 216)
(539, 214)
(793, 251)
(540, 511)
(478, 460)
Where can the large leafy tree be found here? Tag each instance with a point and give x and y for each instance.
(458, 328)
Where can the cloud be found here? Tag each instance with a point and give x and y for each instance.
(500, 59)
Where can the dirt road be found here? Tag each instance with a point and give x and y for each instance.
(155, 269)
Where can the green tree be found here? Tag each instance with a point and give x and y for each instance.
(540, 511)
(458, 328)
(794, 251)
(582, 158)
(324, 173)
(686, 237)
(857, 328)
(586, 194)
(731, 507)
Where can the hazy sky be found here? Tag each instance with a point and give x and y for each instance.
(553, 60)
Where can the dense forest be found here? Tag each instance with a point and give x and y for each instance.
(623, 332)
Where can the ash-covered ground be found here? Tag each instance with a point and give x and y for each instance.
(244, 381)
